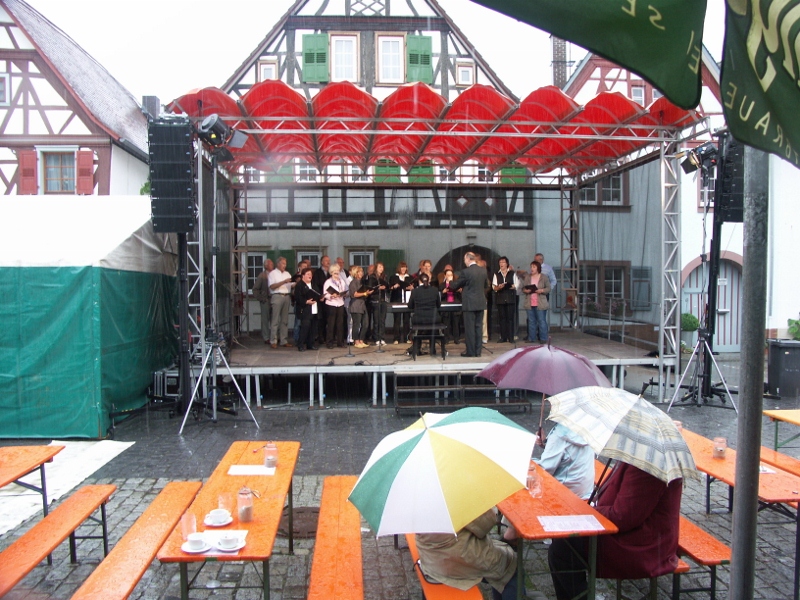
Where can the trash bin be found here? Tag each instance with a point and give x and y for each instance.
(783, 371)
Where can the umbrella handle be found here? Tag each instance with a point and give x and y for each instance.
(540, 431)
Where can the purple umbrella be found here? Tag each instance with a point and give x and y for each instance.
(546, 369)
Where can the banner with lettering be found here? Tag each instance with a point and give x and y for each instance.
(761, 74)
(659, 40)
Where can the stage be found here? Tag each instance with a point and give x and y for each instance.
(250, 359)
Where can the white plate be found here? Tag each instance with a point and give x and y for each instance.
(238, 546)
(185, 547)
(209, 523)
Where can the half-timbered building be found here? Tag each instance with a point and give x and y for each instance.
(66, 125)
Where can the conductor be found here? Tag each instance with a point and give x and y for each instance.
(473, 283)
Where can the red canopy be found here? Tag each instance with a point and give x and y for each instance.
(414, 125)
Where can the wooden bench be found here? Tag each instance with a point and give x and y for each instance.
(117, 575)
(652, 594)
(438, 591)
(337, 567)
(21, 557)
(703, 549)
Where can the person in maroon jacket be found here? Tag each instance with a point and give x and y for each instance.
(646, 510)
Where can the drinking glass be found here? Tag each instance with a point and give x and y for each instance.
(188, 525)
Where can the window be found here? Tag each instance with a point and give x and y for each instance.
(255, 265)
(344, 58)
(5, 89)
(641, 288)
(446, 176)
(419, 59)
(465, 73)
(358, 174)
(390, 59)
(603, 287)
(485, 175)
(637, 94)
(609, 191)
(267, 69)
(59, 172)
(656, 94)
(362, 258)
(311, 256)
(306, 172)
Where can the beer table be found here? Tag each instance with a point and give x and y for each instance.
(777, 489)
(524, 511)
(787, 416)
(267, 509)
(18, 461)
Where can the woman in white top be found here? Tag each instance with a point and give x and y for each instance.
(334, 294)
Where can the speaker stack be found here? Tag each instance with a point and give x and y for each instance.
(171, 175)
(729, 199)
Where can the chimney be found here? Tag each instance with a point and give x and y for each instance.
(559, 63)
(151, 106)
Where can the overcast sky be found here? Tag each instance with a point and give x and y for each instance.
(165, 48)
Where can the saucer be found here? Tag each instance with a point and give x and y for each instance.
(209, 523)
(205, 548)
(235, 548)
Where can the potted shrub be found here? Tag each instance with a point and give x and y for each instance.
(689, 326)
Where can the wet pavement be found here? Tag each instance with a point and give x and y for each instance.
(338, 440)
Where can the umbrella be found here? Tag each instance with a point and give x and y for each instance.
(443, 471)
(625, 427)
(546, 369)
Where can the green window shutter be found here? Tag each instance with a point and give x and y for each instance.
(289, 255)
(315, 58)
(419, 49)
(387, 171)
(514, 175)
(390, 258)
(421, 174)
(284, 174)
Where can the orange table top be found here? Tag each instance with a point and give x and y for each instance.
(18, 461)
(788, 416)
(773, 488)
(267, 509)
(523, 511)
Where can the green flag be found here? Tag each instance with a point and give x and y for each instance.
(660, 40)
(760, 75)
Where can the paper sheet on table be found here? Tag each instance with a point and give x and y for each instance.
(570, 523)
(251, 470)
(765, 469)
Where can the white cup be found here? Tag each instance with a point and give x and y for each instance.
(195, 541)
(720, 445)
(219, 515)
(228, 541)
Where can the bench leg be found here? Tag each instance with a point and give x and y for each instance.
(105, 528)
(291, 517)
(676, 586)
(72, 551)
(265, 578)
(184, 570)
(653, 594)
(713, 582)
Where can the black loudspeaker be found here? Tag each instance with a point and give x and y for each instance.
(171, 175)
(729, 194)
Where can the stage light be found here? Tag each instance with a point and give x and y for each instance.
(222, 154)
(214, 131)
(704, 157)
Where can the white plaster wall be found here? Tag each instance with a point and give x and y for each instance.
(783, 284)
(128, 173)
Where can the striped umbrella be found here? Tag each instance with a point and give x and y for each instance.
(442, 472)
(625, 427)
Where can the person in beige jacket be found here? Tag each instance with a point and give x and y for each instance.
(469, 557)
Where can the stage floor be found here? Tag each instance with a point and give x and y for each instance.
(251, 358)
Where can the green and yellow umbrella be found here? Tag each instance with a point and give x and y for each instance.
(442, 472)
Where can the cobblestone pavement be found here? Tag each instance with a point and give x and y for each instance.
(338, 440)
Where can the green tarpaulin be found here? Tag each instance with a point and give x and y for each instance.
(87, 306)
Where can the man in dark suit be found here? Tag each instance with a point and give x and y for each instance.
(473, 283)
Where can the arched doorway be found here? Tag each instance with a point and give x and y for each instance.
(727, 337)
(455, 258)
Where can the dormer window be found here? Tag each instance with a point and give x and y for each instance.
(465, 73)
(637, 94)
(5, 89)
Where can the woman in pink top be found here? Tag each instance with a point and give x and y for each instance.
(536, 288)
(334, 292)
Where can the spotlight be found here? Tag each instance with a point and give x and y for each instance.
(214, 131)
(222, 154)
(704, 157)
